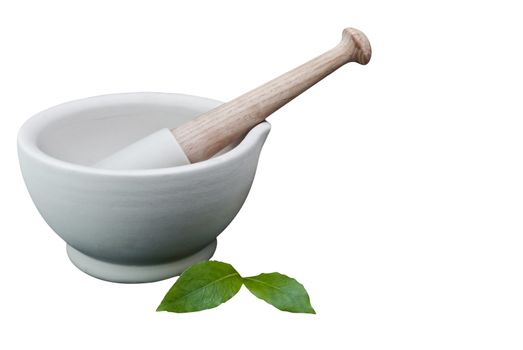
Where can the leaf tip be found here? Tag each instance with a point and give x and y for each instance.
(162, 307)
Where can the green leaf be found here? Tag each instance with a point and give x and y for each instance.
(204, 285)
(280, 291)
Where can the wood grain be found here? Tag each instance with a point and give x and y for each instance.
(206, 135)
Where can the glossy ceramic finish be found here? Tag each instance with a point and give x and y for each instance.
(132, 225)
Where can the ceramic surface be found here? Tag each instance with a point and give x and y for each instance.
(132, 225)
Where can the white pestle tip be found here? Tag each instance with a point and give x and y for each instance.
(157, 150)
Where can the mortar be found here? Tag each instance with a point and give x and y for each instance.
(132, 225)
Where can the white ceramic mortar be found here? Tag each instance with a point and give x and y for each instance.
(132, 225)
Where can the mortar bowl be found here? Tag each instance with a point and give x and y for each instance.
(132, 226)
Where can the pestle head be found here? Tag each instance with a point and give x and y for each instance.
(158, 150)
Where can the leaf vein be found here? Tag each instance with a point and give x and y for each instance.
(265, 283)
(207, 285)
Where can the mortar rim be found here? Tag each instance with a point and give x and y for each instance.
(28, 134)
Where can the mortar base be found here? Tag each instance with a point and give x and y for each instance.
(136, 273)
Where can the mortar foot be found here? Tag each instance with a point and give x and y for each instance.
(136, 273)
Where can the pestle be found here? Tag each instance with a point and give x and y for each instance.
(204, 136)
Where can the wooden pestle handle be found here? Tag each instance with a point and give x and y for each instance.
(206, 135)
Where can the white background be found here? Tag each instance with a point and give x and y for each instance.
(393, 192)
